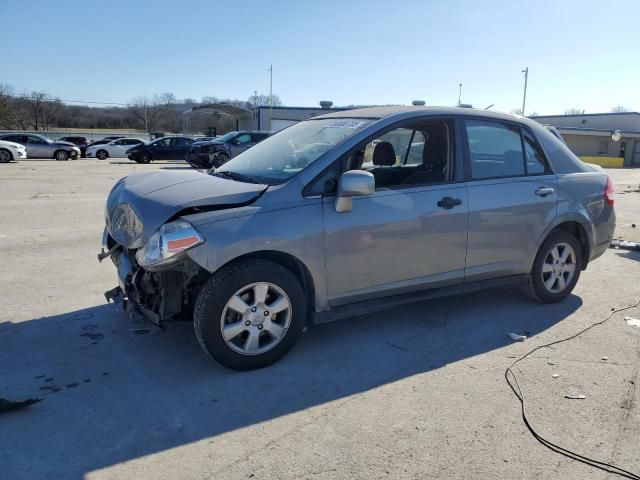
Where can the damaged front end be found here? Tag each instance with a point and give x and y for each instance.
(156, 280)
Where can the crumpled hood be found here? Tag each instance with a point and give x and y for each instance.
(140, 203)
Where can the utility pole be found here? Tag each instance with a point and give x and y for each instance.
(270, 94)
(146, 120)
(459, 94)
(524, 97)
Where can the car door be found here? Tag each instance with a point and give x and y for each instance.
(404, 237)
(161, 149)
(240, 144)
(38, 148)
(181, 147)
(512, 198)
(118, 148)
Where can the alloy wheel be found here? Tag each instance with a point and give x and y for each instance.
(5, 157)
(559, 267)
(256, 318)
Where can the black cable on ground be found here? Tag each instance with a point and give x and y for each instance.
(512, 381)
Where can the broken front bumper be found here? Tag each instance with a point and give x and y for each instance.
(158, 296)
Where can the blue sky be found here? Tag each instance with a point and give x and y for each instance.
(583, 54)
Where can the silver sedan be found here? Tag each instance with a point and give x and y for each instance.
(390, 205)
(39, 146)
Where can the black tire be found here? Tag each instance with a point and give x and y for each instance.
(61, 155)
(535, 286)
(102, 154)
(219, 159)
(221, 287)
(144, 157)
(5, 156)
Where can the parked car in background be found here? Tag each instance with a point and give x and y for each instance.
(99, 142)
(113, 137)
(39, 146)
(114, 149)
(217, 152)
(11, 151)
(81, 142)
(173, 147)
(265, 244)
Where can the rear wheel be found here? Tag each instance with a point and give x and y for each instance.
(5, 156)
(144, 157)
(556, 269)
(61, 155)
(102, 154)
(249, 315)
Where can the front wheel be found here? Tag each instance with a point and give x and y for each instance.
(145, 157)
(102, 155)
(556, 269)
(219, 159)
(5, 156)
(61, 155)
(249, 315)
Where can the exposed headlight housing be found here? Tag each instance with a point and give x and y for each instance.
(166, 244)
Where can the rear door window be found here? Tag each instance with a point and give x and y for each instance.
(536, 163)
(495, 149)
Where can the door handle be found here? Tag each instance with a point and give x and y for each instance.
(544, 191)
(448, 203)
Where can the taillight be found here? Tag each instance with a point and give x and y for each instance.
(609, 191)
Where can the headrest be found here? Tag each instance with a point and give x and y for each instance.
(384, 154)
(435, 152)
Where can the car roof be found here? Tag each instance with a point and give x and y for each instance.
(377, 113)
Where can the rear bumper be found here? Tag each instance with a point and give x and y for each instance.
(603, 235)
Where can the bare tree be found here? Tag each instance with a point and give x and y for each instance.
(171, 113)
(574, 111)
(49, 112)
(260, 100)
(6, 113)
(147, 112)
(619, 109)
(34, 102)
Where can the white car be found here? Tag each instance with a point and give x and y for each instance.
(11, 151)
(115, 149)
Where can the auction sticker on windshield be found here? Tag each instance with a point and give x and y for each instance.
(346, 123)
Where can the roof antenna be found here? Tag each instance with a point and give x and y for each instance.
(459, 94)
(490, 106)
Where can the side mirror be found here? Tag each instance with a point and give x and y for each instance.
(353, 183)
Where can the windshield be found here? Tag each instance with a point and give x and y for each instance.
(226, 137)
(281, 156)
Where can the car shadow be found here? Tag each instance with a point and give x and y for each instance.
(115, 389)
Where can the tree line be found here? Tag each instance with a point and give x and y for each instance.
(39, 111)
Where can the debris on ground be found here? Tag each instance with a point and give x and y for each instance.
(8, 405)
(575, 397)
(517, 338)
(635, 246)
(632, 322)
(605, 358)
(555, 375)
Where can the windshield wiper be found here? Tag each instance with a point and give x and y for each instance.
(238, 176)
